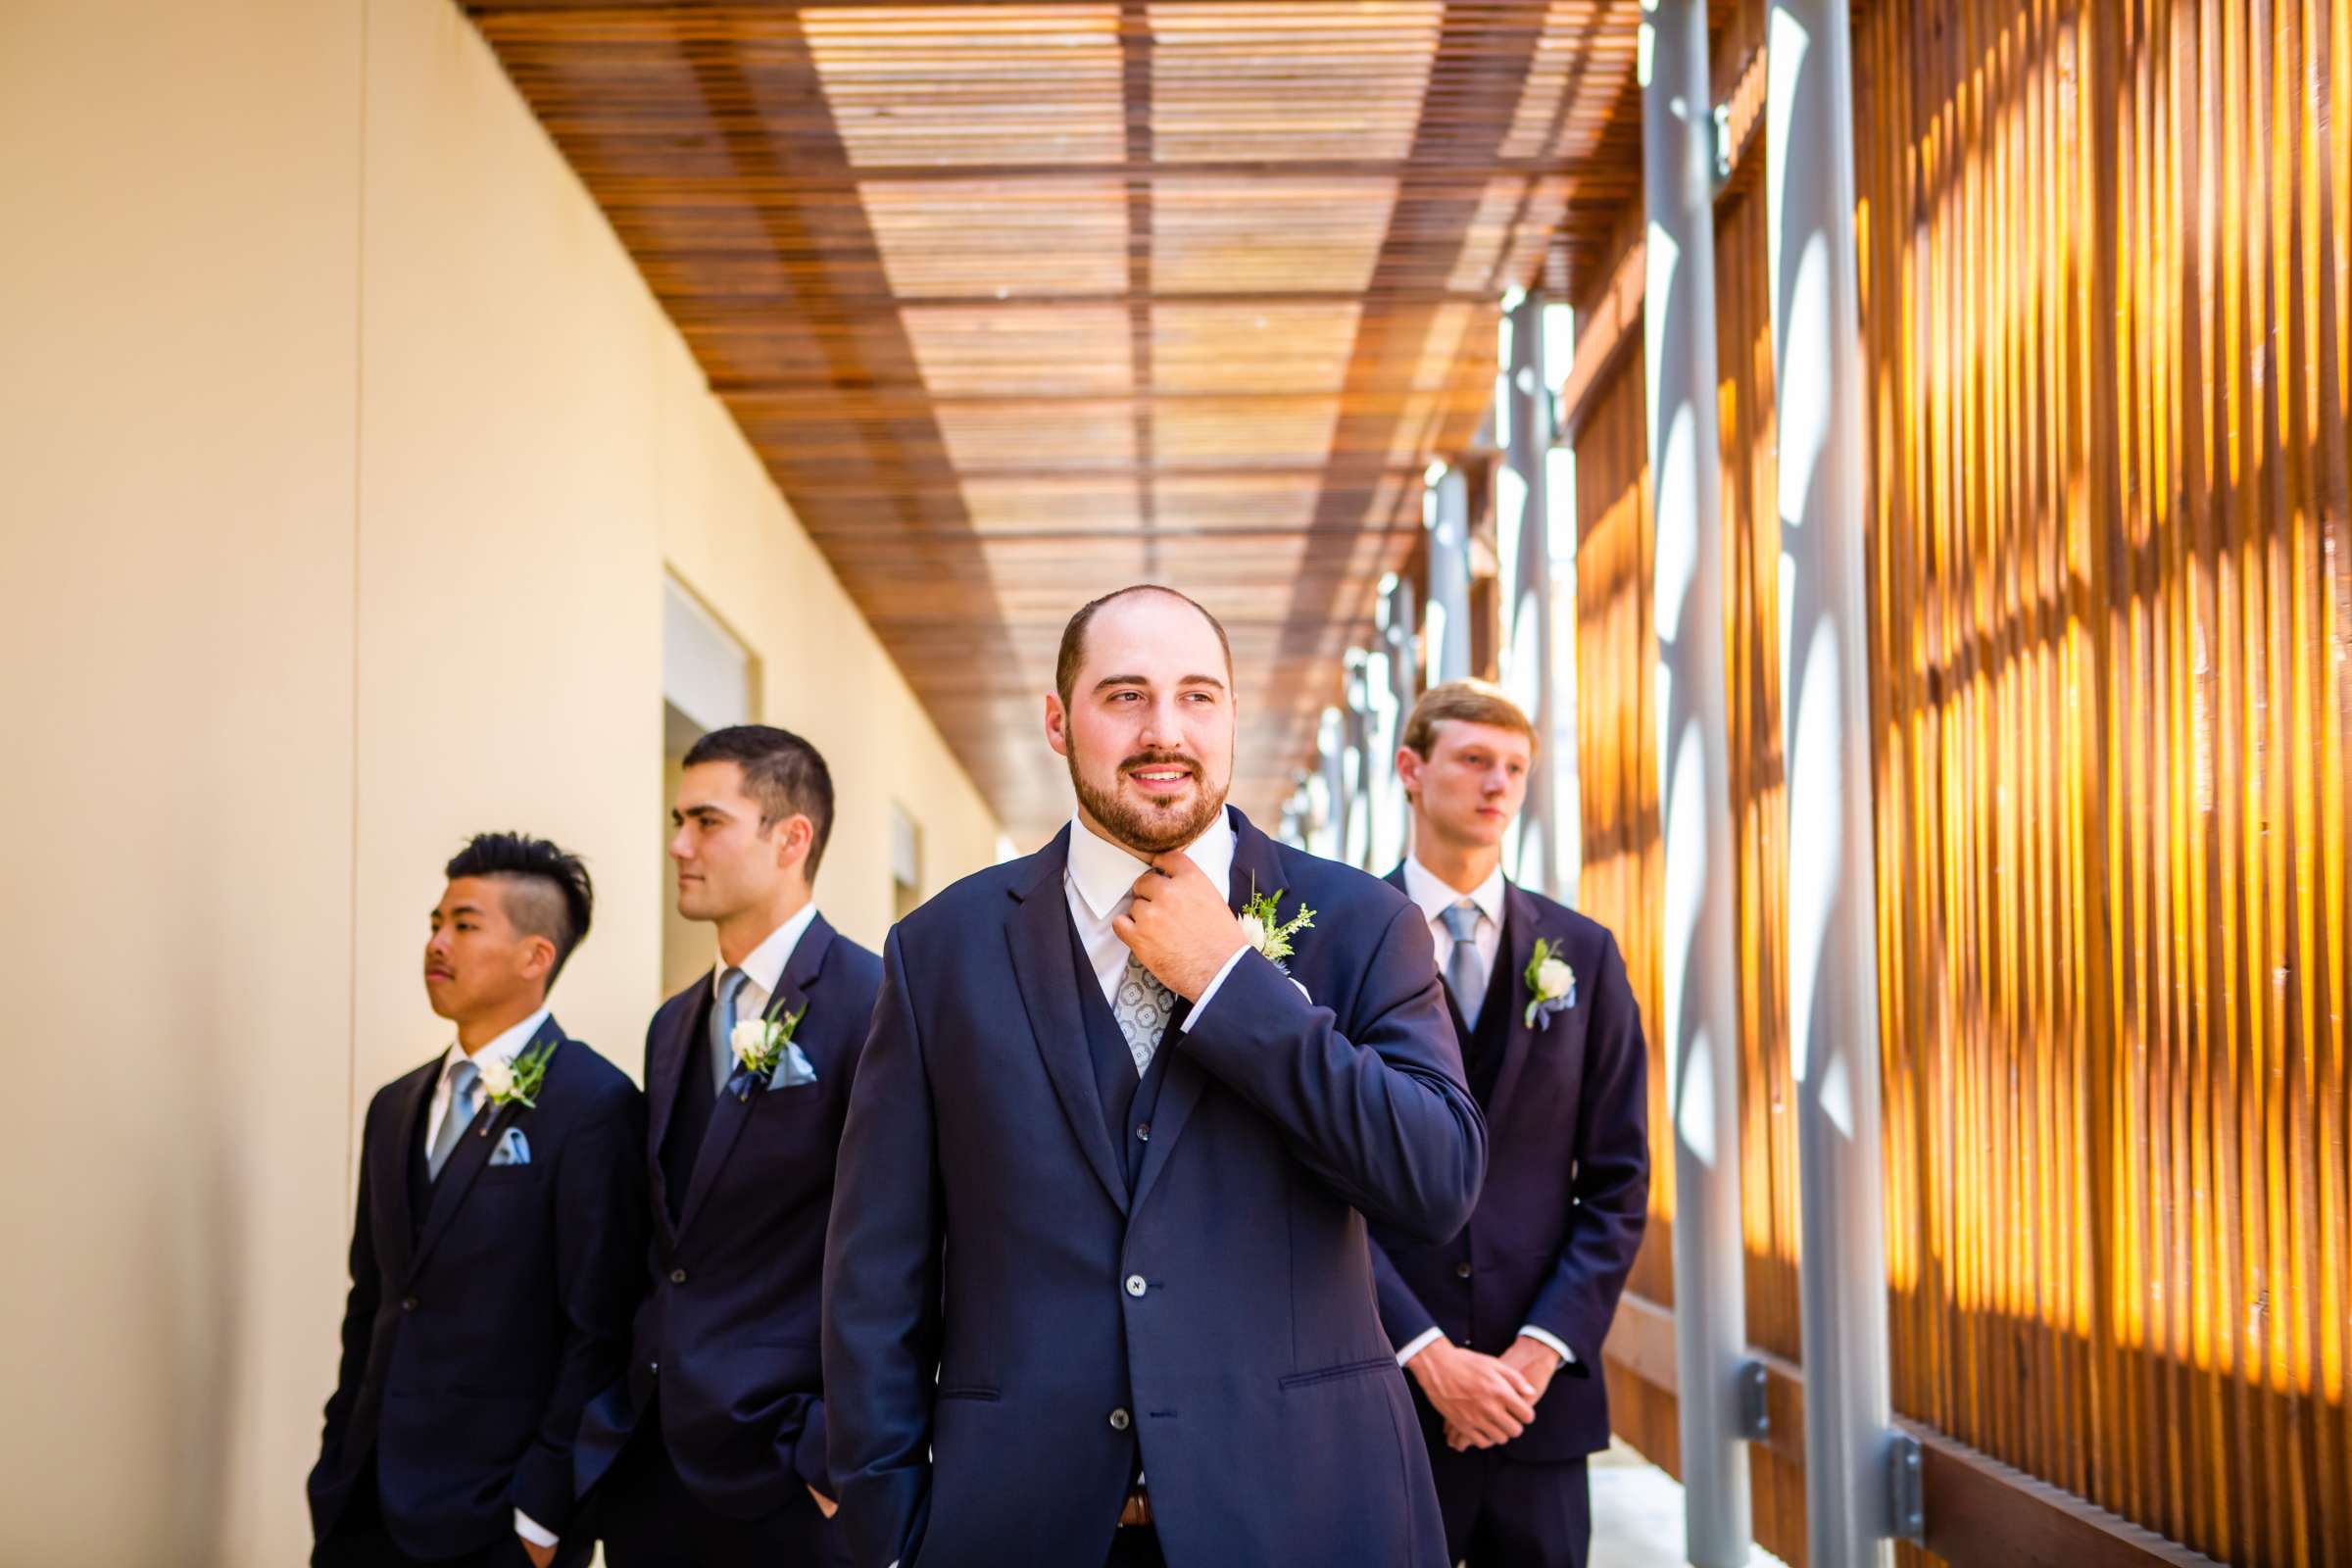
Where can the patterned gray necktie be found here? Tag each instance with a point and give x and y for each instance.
(1464, 974)
(463, 1077)
(722, 1029)
(1143, 1007)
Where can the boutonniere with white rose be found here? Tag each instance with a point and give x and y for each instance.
(516, 1082)
(765, 1051)
(1551, 982)
(1262, 926)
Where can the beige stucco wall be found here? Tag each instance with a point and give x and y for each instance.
(341, 455)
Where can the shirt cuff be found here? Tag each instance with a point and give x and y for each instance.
(1193, 1017)
(1419, 1342)
(532, 1531)
(1528, 1331)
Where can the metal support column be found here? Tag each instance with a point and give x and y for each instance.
(1700, 1023)
(1529, 612)
(1825, 695)
(1448, 521)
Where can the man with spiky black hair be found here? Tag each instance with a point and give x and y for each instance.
(497, 1251)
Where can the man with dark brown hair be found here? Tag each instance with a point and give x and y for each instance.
(1501, 1325)
(709, 1450)
(1098, 1289)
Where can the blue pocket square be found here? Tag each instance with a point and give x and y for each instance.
(793, 1070)
(512, 1149)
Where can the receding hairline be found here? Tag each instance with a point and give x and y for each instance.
(1083, 624)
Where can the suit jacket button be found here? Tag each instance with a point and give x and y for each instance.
(654, 1368)
(1461, 1271)
(409, 1304)
(677, 1276)
(1143, 1131)
(1136, 1285)
(1119, 1420)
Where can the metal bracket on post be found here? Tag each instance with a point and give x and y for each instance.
(1755, 1402)
(1723, 146)
(1906, 1486)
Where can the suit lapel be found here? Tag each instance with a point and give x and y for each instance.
(1519, 928)
(732, 1114)
(664, 1074)
(465, 1162)
(391, 1174)
(1256, 867)
(1039, 936)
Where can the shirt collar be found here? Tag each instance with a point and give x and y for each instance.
(1104, 872)
(505, 1047)
(1435, 896)
(764, 965)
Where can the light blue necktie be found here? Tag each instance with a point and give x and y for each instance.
(1464, 974)
(464, 1075)
(722, 1029)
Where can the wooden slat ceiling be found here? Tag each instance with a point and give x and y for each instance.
(1024, 302)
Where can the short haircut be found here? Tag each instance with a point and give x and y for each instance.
(1468, 702)
(556, 897)
(1073, 635)
(782, 772)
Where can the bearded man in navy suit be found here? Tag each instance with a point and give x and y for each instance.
(1099, 1287)
(709, 1450)
(493, 1260)
(1501, 1325)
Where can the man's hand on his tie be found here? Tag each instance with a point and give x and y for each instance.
(1485, 1401)
(824, 1504)
(1179, 925)
(1534, 1361)
(540, 1556)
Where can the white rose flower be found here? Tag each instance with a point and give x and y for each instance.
(1254, 932)
(750, 1041)
(1554, 978)
(498, 1079)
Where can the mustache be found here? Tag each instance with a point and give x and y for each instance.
(1160, 759)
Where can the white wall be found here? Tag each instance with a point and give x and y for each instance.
(341, 455)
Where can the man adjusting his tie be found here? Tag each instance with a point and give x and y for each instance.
(1097, 1285)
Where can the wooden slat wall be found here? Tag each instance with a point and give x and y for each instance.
(1751, 562)
(1617, 775)
(2105, 306)
(2107, 281)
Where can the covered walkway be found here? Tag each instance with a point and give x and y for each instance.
(1922, 538)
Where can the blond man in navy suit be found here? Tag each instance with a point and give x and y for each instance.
(1501, 1327)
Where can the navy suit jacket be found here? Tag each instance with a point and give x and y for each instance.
(475, 1330)
(1567, 1188)
(730, 1319)
(1010, 1330)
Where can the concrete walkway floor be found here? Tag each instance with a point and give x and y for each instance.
(1637, 1515)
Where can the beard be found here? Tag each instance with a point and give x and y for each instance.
(1151, 827)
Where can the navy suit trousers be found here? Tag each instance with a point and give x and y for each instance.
(651, 1519)
(1502, 1512)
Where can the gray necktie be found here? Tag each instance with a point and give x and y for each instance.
(1143, 1007)
(462, 1076)
(1464, 974)
(722, 1029)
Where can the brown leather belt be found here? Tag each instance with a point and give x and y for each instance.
(1138, 1512)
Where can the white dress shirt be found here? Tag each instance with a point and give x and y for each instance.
(1099, 884)
(505, 1047)
(763, 966)
(1434, 896)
